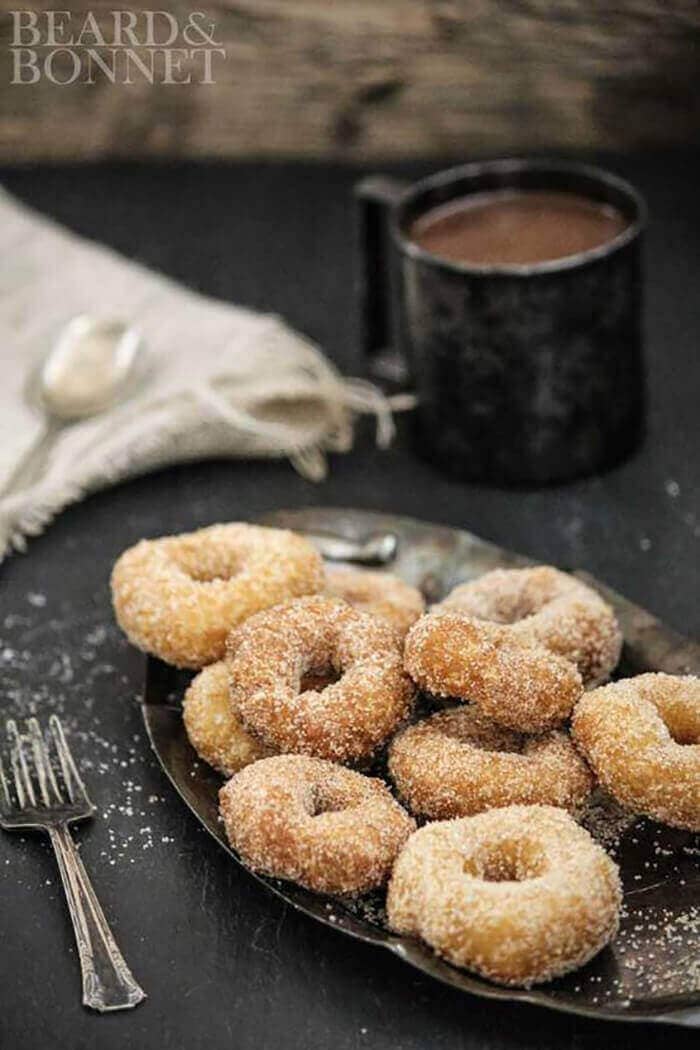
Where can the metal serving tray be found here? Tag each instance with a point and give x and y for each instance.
(652, 971)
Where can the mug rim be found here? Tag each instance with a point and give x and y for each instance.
(508, 166)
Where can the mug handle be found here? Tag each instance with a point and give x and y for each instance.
(376, 197)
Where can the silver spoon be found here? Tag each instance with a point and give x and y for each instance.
(85, 373)
(378, 548)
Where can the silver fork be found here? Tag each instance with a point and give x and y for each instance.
(43, 800)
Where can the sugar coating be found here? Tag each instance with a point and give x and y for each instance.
(214, 730)
(271, 654)
(379, 593)
(518, 684)
(520, 895)
(330, 829)
(458, 762)
(178, 597)
(547, 607)
(642, 737)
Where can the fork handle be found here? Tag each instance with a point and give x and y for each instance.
(108, 983)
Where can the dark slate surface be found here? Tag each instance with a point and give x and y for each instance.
(226, 965)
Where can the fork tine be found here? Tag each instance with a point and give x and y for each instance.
(5, 797)
(74, 784)
(23, 781)
(44, 772)
(19, 790)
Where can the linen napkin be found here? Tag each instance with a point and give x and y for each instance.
(218, 379)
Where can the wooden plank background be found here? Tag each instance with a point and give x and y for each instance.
(373, 79)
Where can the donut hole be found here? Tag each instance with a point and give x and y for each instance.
(512, 860)
(509, 596)
(496, 740)
(316, 679)
(323, 798)
(683, 734)
(207, 575)
(205, 565)
(681, 721)
(520, 609)
(502, 869)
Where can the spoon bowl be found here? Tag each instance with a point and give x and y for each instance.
(88, 368)
(376, 548)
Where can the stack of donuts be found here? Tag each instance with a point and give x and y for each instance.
(306, 675)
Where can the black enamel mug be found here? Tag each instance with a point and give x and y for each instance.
(523, 373)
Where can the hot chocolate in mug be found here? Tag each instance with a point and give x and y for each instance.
(512, 294)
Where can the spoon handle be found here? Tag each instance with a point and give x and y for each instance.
(33, 461)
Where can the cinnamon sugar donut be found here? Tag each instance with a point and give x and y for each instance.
(330, 829)
(642, 737)
(379, 593)
(270, 655)
(520, 895)
(458, 762)
(214, 730)
(546, 607)
(178, 597)
(519, 685)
